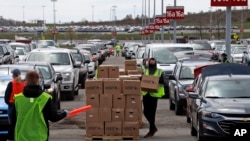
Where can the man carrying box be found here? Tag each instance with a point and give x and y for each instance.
(150, 99)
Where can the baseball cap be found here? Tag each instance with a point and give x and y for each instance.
(16, 72)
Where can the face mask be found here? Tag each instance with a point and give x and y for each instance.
(152, 65)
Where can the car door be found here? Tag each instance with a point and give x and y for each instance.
(172, 83)
(75, 70)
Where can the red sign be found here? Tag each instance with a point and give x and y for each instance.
(175, 12)
(157, 27)
(54, 32)
(229, 2)
(241, 30)
(161, 20)
(151, 26)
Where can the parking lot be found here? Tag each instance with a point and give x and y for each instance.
(170, 126)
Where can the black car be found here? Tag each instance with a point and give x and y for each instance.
(83, 70)
(50, 77)
(222, 103)
(182, 77)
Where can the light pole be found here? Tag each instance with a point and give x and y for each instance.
(23, 14)
(142, 17)
(114, 15)
(134, 14)
(54, 12)
(43, 14)
(211, 22)
(148, 18)
(162, 28)
(174, 24)
(154, 18)
(145, 19)
(241, 24)
(93, 14)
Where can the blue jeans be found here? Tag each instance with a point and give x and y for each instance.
(10, 116)
(11, 129)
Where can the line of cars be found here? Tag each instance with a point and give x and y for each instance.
(214, 97)
(62, 72)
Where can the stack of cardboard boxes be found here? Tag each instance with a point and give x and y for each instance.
(116, 104)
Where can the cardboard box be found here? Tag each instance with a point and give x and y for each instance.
(94, 129)
(114, 72)
(130, 65)
(133, 72)
(93, 100)
(136, 76)
(119, 101)
(105, 114)
(122, 72)
(117, 114)
(112, 86)
(131, 87)
(106, 100)
(94, 86)
(131, 114)
(134, 102)
(149, 83)
(130, 128)
(113, 128)
(103, 72)
(92, 114)
(140, 71)
(125, 77)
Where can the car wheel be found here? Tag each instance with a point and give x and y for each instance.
(192, 129)
(200, 137)
(71, 95)
(188, 118)
(76, 92)
(178, 108)
(171, 105)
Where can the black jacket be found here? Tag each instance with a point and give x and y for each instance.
(49, 111)
(8, 92)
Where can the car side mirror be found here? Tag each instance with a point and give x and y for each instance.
(94, 53)
(46, 86)
(194, 95)
(171, 77)
(86, 61)
(99, 52)
(77, 64)
(58, 77)
(189, 89)
(17, 56)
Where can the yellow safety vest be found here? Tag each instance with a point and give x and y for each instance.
(160, 92)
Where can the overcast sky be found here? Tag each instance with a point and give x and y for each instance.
(78, 10)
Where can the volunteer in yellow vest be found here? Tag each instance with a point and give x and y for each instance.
(117, 49)
(33, 109)
(150, 99)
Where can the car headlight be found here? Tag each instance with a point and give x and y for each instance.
(210, 114)
(66, 76)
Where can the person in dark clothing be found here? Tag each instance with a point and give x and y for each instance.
(150, 99)
(224, 58)
(33, 109)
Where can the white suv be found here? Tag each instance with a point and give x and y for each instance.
(61, 60)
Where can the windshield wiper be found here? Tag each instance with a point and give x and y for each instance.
(213, 97)
(241, 97)
(55, 63)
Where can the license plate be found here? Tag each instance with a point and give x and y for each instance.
(241, 132)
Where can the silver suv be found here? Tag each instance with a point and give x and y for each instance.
(62, 62)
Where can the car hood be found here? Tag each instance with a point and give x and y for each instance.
(237, 55)
(232, 105)
(3, 105)
(62, 68)
(166, 67)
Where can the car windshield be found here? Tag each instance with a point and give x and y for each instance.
(3, 85)
(47, 43)
(1, 50)
(20, 52)
(53, 58)
(140, 53)
(45, 70)
(239, 50)
(163, 56)
(231, 88)
(202, 46)
(86, 57)
(179, 49)
(219, 47)
(187, 72)
(77, 57)
(26, 48)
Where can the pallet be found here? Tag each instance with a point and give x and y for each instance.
(112, 138)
